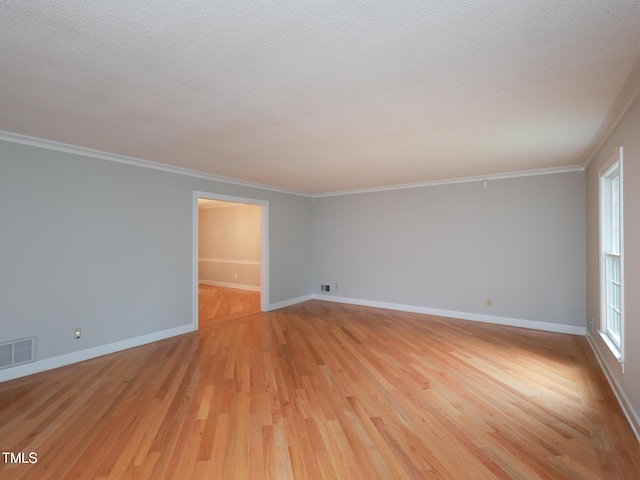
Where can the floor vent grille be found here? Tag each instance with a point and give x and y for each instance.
(17, 352)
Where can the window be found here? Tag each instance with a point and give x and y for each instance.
(611, 262)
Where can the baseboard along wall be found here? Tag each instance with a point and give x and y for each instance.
(89, 353)
(474, 317)
(240, 286)
(632, 416)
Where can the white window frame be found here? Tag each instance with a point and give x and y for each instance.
(612, 253)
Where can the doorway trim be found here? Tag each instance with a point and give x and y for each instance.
(264, 246)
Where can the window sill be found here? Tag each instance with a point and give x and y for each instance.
(613, 348)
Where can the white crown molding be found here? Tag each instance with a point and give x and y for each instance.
(628, 95)
(112, 157)
(88, 152)
(450, 181)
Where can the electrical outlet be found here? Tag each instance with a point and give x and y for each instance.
(489, 302)
(77, 333)
(337, 286)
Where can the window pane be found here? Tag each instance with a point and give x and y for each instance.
(615, 228)
(613, 297)
(611, 238)
(615, 214)
(615, 326)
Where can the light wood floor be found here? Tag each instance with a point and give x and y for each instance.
(326, 391)
(221, 304)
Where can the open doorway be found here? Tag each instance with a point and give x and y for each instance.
(230, 257)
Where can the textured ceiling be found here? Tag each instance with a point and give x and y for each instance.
(319, 96)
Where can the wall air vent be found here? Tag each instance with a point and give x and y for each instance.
(17, 352)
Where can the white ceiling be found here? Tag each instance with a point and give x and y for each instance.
(319, 96)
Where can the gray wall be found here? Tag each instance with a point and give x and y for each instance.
(108, 247)
(626, 134)
(520, 242)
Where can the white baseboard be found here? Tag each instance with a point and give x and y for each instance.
(291, 301)
(475, 317)
(239, 286)
(82, 355)
(627, 408)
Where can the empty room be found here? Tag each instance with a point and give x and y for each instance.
(319, 240)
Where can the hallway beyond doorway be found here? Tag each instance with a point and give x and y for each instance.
(219, 304)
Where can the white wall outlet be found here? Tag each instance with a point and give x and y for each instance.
(337, 286)
(489, 302)
(77, 333)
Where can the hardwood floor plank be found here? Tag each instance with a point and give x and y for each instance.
(321, 390)
(221, 304)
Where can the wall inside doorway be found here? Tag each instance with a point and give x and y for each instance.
(229, 244)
